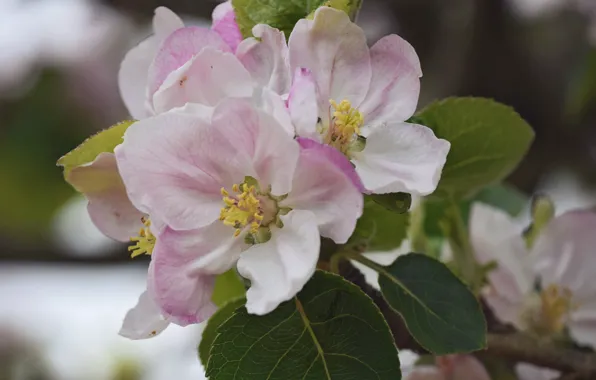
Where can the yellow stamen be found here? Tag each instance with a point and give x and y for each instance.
(242, 209)
(345, 125)
(144, 242)
(556, 305)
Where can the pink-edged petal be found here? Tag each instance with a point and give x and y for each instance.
(425, 372)
(273, 152)
(184, 267)
(323, 188)
(224, 23)
(279, 268)
(564, 253)
(174, 166)
(109, 207)
(401, 157)
(206, 78)
(177, 49)
(143, 321)
(265, 56)
(496, 237)
(165, 22)
(333, 156)
(334, 49)
(505, 298)
(467, 367)
(395, 83)
(527, 371)
(302, 104)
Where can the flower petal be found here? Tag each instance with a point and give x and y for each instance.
(425, 372)
(395, 83)
(279, 268)
(205, 78)
(467, 367)
(323, 188)
(174, 166)
(109, 207)
(334, 49)
(401, 157)
(302, 104)
(165, 22)
(134, 69)
(259, 136)
(265, 56)
(333, 156)
(224, 23)
(527, 371)
(185, 264)
(177, 49)
(564, 254)
(143, 321)
(371, 276)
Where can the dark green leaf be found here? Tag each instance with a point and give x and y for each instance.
(216, 320)
(439, 310)
(396, 202)
(330, 330)
(379, 229)
(283, 14)
(488, 140)
(228, 286)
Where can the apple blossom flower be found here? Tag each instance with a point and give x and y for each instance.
(527, 371)
(450, 367)
(357, 99)
(560, 262)
(233, 188)
(179, 64)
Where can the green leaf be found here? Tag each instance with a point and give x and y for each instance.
(503, 197)
(283, 14)
(210, 332)
(379, 229)
(488, 140)
(104, 141)
(396, 202)
(228, 286)
(439, 310)
(330, 330)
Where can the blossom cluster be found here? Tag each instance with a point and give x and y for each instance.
(245, 152)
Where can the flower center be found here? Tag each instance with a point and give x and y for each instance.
(546, 314)
(242, 209)
(344, 127)
(144, 242)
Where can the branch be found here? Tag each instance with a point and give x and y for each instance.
(513, 346)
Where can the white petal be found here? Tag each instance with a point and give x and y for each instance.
(207, 78)
(165, 22)
(395, 83)
(274, 105)
(279, 268)
(334, 49)
(401, 157)
(144, 320)
(425, 372)
(265, 56)
(371, 276)
(133, 74)
(583, 332)
(564, 253)
(302, 103)
(527, 371)
(495, 237)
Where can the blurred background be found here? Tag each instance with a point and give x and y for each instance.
(64, 288)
